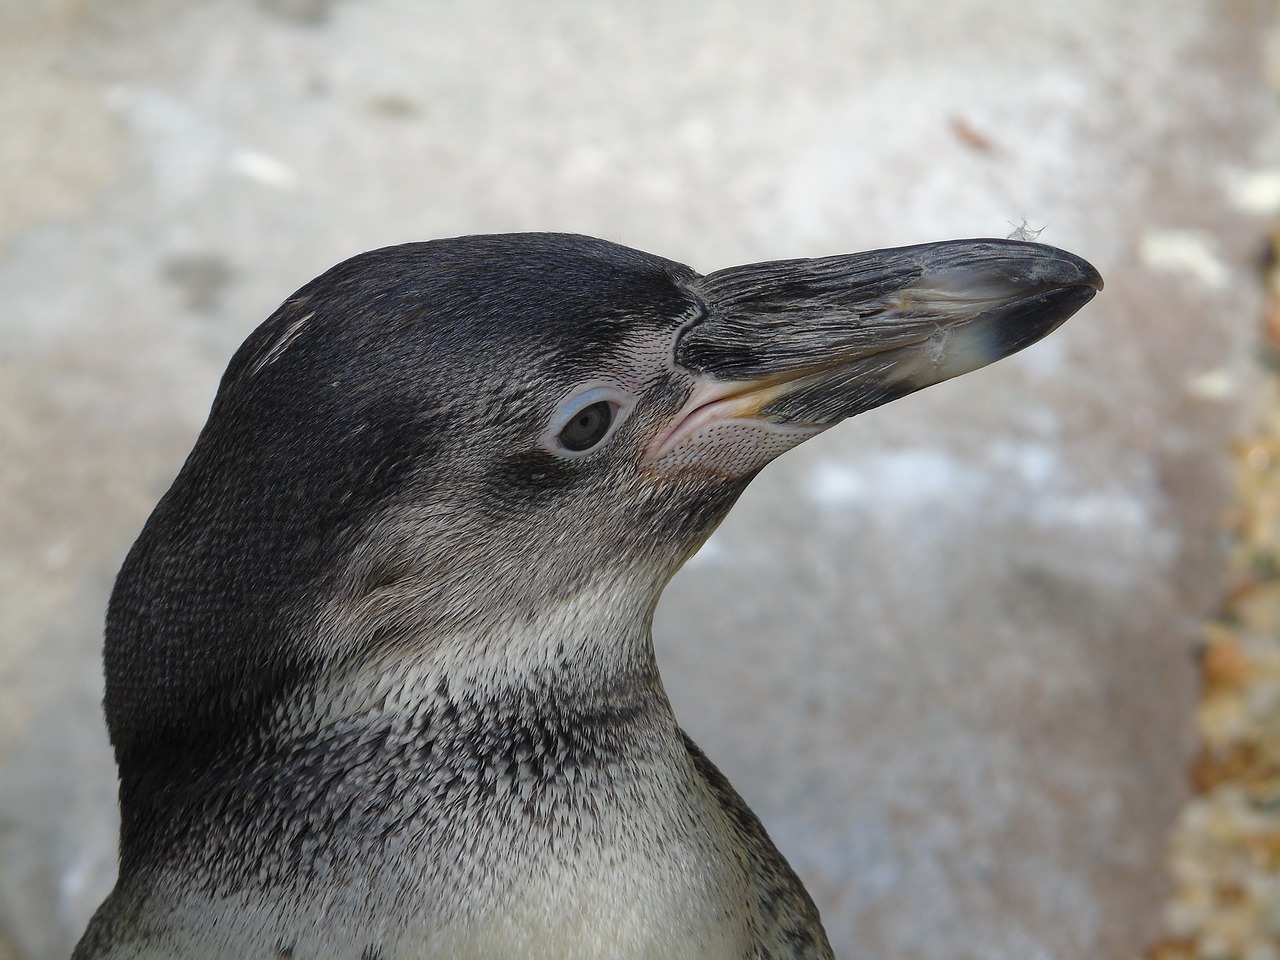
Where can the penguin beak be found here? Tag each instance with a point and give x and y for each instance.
(788, 348)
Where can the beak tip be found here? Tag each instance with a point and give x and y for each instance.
(1062, 269)
(1089, 275)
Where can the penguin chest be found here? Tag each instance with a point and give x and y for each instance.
(616, 911)
(652, 874)
(635, 886)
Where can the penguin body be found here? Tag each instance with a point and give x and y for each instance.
(380, 680)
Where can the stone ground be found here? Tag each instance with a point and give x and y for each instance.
(944, 650)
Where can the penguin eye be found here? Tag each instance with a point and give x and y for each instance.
(587, 427)
(586, 419)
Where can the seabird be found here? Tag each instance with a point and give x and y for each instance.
(379, 674)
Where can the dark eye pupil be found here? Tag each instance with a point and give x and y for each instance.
(588, 426)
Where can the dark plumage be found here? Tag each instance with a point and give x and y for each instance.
(379, 673)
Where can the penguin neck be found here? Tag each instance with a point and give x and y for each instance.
(578, 682)
(463, 799)
(577, 655)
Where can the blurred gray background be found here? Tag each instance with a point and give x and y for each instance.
(945, 649)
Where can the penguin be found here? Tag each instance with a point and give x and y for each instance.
(380, 681)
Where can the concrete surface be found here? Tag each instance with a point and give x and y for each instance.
(945, 649)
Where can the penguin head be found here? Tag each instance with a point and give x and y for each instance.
(449, 439)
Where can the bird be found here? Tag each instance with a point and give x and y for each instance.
(380, 677)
